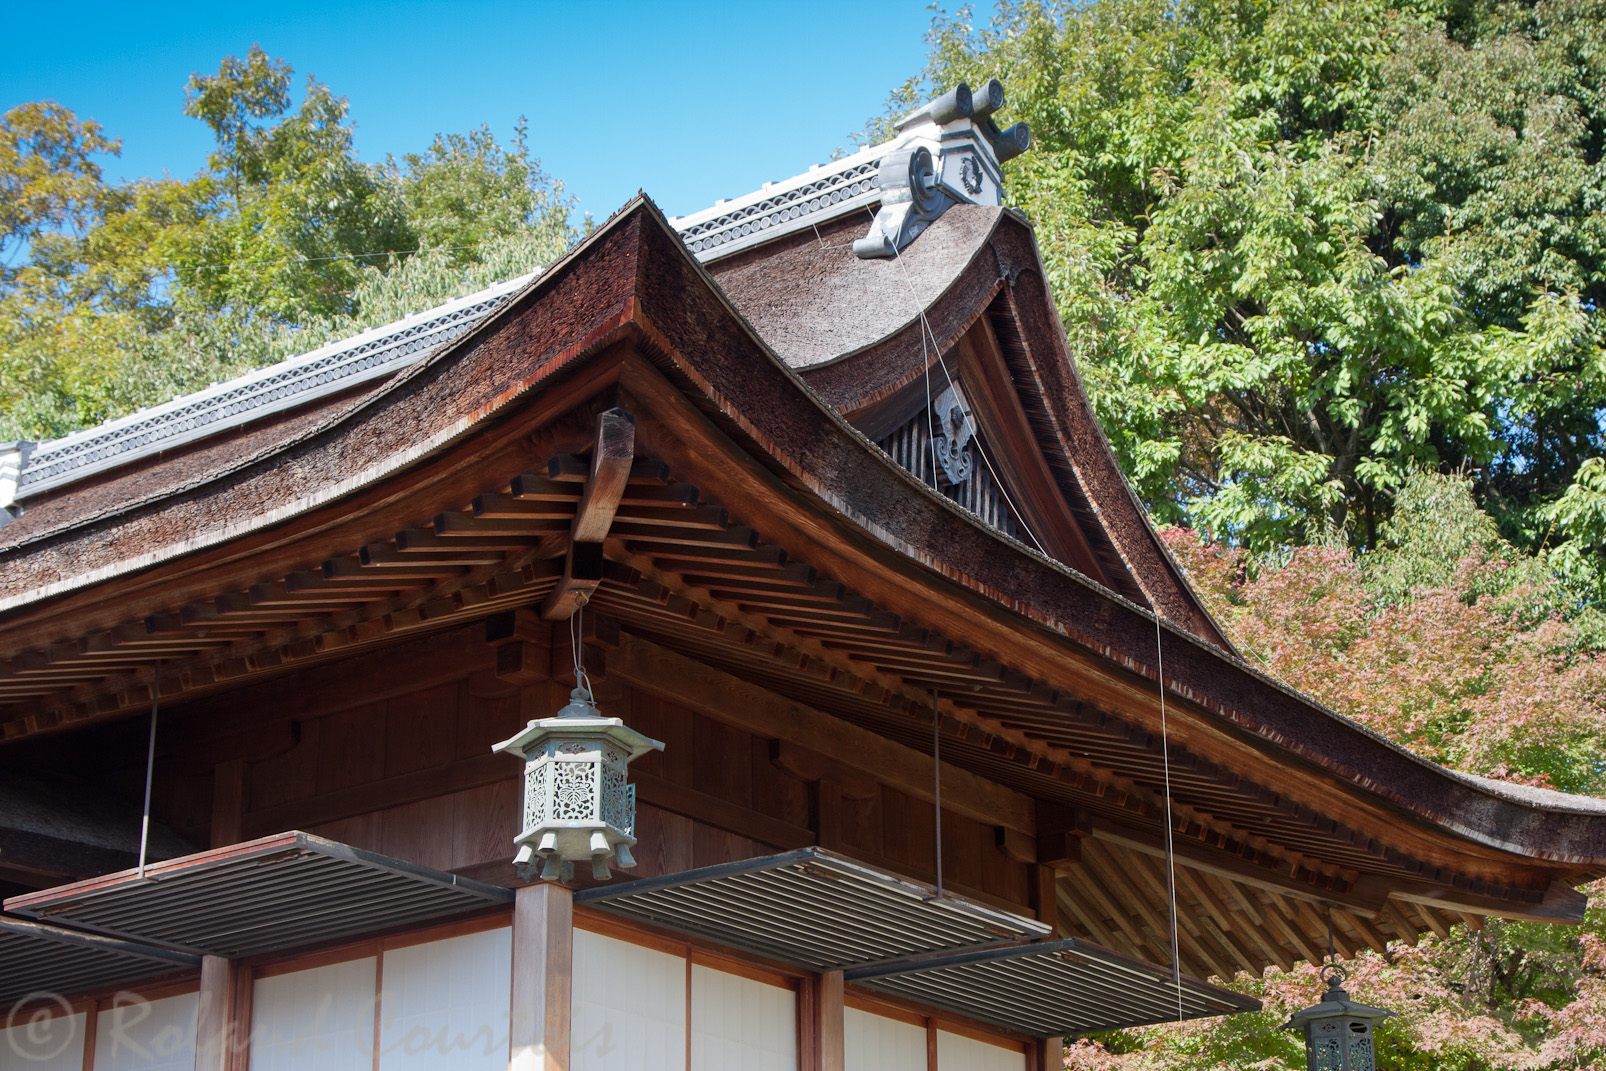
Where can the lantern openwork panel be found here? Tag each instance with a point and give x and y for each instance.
(578, 802)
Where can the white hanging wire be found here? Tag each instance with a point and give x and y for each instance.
(1170, 850)
(936, 780)
(925, 353)
(150, 769)
(582, 680)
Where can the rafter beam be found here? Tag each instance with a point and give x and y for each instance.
(612, 461)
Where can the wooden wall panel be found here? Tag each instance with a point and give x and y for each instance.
(351, 748)
(391, 751)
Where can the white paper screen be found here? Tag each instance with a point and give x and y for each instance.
(315, 1020)
(41, 1044)
(629, 1010)
(445, 1004)
(147, 1035)
(876, 1043)
(741, 1025)
(956, 1053)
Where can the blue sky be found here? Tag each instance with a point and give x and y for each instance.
(691, 102)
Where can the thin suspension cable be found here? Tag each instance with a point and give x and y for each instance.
(150, 769)
(1170, 849)
(576, 637)
(936, 779)
(925, 331)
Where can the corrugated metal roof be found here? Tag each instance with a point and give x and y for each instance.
(286, 891)
(1052, 988)
(46, 962)
(812, 908)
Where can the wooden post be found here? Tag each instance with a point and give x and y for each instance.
(1049, 1055)
(830, 1051)
(214, 1018)
(228, 802)
(543, 956)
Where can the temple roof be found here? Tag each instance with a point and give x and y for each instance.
(802, 556)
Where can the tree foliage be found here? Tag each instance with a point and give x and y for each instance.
(1445, 638)
(1302, 248)
(120, 295)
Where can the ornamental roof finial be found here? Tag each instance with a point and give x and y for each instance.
(947, 152)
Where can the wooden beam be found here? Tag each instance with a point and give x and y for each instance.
(1404, 928)
(827, 1028)
(228, 802)
(721, 814)
(1189, 852)
(214, 1022)
(1561, 902)
(611, 462)
(610, 472)
(582, 572)
(543, 966)
(730, 699)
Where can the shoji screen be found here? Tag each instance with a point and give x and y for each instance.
(445, 1004)
(877, 1043)
(55, 1044)
(740, 1024)
(315, 1020)
(433, 1006)
(633, 1011)
(629, 1007)
(153, 1035)
(957, 1053)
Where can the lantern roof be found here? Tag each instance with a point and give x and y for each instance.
(579, 718)
(1335, 1003)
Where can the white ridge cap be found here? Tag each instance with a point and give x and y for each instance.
(374, 353)
(823, 192)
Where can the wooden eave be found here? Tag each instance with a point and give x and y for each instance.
(856, 589)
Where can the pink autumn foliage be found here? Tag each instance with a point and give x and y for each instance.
(1468, 673)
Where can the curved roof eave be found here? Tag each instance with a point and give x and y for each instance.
(655, 284)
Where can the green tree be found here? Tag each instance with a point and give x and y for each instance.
(115, 296)
(1303, 247)
(286, 211)
(1438, 637)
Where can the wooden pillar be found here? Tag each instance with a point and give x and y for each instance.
(830, 1044)
(228, 802)
(1049, 1055)
(543, 959)
(214, 1017)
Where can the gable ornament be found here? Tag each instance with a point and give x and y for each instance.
(953, 433)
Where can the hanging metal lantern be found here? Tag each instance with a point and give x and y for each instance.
(578, 803)
(1338, 1031)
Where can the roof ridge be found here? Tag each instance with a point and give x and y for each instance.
(360, 358)
(944, 153)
